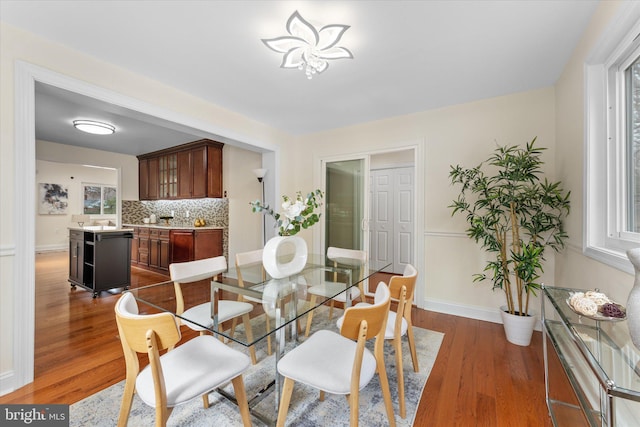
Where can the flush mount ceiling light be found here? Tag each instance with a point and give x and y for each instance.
(96, 128)
(309, 49)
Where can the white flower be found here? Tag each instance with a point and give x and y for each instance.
(292, 211)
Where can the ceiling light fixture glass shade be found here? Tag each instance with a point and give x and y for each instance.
(96, 128)
(309, 49)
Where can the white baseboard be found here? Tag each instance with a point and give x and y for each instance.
(468, 311)
(7, 382)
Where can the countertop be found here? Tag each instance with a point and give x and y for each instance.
(100, 229)
(174, 227)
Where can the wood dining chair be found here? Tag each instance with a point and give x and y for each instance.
(340, 257)
(183, 273)
(340, 363)
(246, 260)
(181, 374)
(399, 324)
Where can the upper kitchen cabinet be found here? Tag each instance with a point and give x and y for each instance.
(188, 171)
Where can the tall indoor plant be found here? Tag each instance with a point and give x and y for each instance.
(515, 215)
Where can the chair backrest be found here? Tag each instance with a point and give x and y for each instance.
(375, 316)
(351, 258)
(248, 259)
(408, 280)
(133, 327)
(193, 271)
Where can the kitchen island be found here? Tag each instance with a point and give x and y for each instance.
(99, 258)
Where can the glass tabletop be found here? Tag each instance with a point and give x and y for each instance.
(605, 343)
(283, 300)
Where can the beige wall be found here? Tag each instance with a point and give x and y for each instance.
(461, 134)
(573, 268)
(152, 97)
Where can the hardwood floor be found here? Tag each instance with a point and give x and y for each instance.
(479, 379)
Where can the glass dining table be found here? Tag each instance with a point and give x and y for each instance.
(284, 300)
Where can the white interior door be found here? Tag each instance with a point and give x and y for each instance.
(392, 218)
(382, 224)
(403, 238)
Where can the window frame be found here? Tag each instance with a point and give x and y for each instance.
(605, 178)
(102, 190)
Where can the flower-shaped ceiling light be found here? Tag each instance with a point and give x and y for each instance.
(307, 48)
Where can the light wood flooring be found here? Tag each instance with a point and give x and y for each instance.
(479, 379)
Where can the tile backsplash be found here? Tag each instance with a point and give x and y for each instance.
(214, 211)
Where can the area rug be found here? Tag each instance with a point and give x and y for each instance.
(306, 410)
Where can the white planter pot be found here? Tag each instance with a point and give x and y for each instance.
(518, 329)
(284, 256)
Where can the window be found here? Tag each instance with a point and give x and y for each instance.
(612, 172)
(99, 199)
(632, 101)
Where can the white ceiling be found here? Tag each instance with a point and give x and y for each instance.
(409, 56)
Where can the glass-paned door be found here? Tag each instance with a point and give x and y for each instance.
(346, 212)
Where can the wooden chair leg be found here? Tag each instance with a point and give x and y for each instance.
(246, 320)
(127, 400)
(397, 344)
(321, 397)
(162, 415)
(241, 398)
(205, 401)
(268, 321)
(312, 303)
(386, 393)
(412, 346)
(354, 403)
(285, 399)
(330, 309)
(234, 323)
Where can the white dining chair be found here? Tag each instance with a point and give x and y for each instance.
(340, 257)
(399, 324)
(180, 375)
(340, 363)
(183, 273)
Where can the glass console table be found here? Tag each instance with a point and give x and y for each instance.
(601, 364)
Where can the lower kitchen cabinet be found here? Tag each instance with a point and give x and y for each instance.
(181, 245)
(159, 247)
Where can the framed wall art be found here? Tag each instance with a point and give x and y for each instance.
(53, 199)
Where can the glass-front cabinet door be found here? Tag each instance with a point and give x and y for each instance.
(168, 176)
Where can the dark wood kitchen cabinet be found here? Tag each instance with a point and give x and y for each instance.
(181, 245)
(156, 247)
(188, 171)
(192, 173)
(207, 243)
(159, 249)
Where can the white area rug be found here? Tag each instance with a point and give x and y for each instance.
(101, 409)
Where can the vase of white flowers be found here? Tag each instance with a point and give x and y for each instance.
(286, 254)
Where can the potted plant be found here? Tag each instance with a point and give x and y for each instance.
(515, 215)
